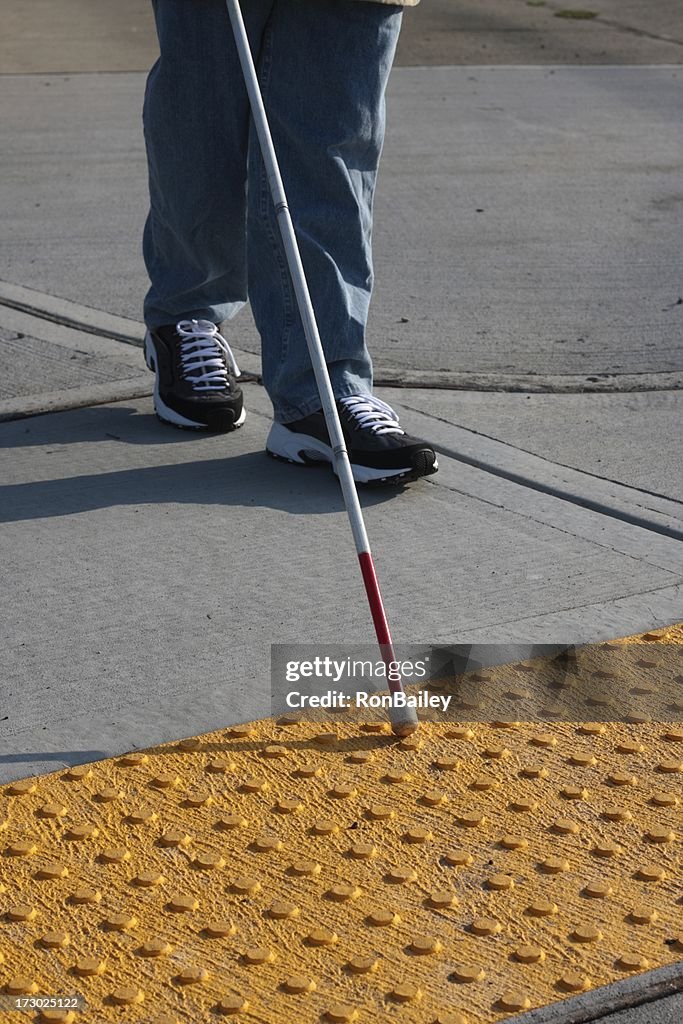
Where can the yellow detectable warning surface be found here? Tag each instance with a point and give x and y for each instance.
(275, 872)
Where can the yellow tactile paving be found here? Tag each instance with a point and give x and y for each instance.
(277, 873)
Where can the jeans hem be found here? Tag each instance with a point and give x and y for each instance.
(217, 315)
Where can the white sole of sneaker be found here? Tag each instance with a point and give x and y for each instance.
(304, 450)
(162, 410)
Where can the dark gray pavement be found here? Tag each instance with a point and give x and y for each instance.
(653, 997)
(95, 35)
(663, 1011)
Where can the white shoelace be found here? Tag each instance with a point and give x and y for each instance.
(372, 414)
(205, 355)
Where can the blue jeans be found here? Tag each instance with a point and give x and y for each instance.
(211, 240)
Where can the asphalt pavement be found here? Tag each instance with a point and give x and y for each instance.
(93, 35)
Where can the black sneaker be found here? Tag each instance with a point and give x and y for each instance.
(379, 450)
(196, 377)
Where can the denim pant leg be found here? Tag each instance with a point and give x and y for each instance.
(323, 69)
(196, 126)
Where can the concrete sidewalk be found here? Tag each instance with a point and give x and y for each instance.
(138, 561)
(527, 230)
(143, 558)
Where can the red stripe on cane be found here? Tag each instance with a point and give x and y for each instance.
(379, 617)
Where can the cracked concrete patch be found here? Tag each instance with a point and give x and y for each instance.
(32, 366)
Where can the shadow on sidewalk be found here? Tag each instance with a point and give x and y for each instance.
(250, 480)
(245, 479)
(94, 424)
(61, 757)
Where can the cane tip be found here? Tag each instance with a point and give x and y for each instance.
(404, 728)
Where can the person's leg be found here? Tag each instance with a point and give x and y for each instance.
(323, 69)
(196, 126)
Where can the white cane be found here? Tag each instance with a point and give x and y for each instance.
(404, 720)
